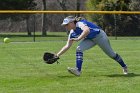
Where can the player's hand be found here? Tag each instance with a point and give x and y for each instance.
(75, 39)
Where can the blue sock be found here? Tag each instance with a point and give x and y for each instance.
(119, 60)
(79, 60)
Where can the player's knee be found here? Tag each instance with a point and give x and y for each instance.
(78, 49)
(112, 55)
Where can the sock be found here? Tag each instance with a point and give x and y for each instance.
(120, 60)
(79, 60)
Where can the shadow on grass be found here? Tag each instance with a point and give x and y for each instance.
(121, 75)
(67, 76)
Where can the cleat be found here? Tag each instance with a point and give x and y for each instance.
(125, 71)
(74, 71)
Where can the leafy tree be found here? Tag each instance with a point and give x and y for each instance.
(124, 24)
(18, 5)
(135, 5)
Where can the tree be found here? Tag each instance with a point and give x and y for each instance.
(135, 19)
(78, 4)
(17, 5)
(62, 3)
(111, 23)
(54, 20)
(135, 5)
(44, 29)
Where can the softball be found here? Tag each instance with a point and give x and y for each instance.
(6, 40)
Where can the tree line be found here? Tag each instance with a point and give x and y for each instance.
(125, 25)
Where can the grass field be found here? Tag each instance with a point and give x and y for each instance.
(22, 69)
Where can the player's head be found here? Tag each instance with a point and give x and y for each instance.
(70, 19)
(69, 22)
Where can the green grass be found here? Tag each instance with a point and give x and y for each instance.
(22, 69)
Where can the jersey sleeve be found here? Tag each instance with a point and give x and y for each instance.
(72, 34)
(81, 25)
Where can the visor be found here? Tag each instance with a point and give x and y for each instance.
(67, 21)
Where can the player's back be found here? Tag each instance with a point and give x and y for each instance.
(90, 24)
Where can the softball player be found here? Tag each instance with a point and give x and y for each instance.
(90, 35)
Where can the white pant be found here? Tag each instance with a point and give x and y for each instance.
(101, 40)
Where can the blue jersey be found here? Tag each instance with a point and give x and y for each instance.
(94, 29)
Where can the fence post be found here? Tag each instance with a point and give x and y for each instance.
(34, 18)
(115, 25)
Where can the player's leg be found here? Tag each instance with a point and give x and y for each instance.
(84, 45)
(104, 44)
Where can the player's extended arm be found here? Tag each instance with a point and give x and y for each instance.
(83, 35)
(65, 48)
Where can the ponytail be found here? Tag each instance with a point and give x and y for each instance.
(78, 18)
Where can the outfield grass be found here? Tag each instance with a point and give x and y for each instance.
(22, 69)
